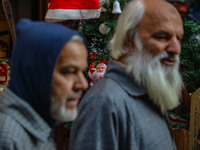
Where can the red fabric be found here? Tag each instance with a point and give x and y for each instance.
(105, 62)
(92, 83)
(61, 10)
(92, 66)
(182, 7)
(92, 70)
(3, 73)
(74, 4)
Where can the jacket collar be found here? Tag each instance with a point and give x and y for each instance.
(122, 77)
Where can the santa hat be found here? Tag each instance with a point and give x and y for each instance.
(60, 10)
(104, 63)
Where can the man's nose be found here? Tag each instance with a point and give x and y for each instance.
(81, 83)
(174, 46)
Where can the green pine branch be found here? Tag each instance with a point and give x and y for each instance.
(190, 56)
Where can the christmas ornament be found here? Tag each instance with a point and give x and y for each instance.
(93, 56)
(60, 10)
(116, 8)
(92, 69)
(97, 72)
(197, 37)
(4, 71)
(182, 9)
(102, 2)
(103, 29)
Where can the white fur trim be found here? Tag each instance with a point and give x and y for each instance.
(92, 75)
(56, 15)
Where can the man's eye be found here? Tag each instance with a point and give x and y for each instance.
(68, 71)
(162, 37)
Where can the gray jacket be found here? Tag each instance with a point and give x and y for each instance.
(21, 128)
(117, 114)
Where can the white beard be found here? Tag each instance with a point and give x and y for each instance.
(98, 75)
(163, 83)
(59, 112)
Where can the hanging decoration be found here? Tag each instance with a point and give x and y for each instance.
(103, 2)
(103, 29)
(116, 8)
(97, 72)
(61, 10)
(182, 9)
(95, 34)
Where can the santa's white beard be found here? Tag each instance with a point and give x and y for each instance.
(59, 112)
(163, 83)
(98, 75)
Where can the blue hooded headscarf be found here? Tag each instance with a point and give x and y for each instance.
(33, 60)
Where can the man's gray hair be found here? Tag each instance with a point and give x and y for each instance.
(77, 38)
(126, 23)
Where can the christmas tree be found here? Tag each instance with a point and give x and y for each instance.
(99, 31)
(190, 55)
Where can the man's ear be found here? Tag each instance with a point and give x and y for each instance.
(130, 42)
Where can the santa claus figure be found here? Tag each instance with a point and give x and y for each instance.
(96, 73)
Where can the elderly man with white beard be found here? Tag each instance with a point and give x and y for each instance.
(127, 109)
